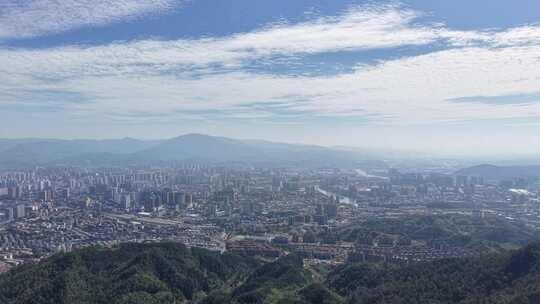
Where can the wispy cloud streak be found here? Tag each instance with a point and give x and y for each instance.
(30, 18)
(201, 77)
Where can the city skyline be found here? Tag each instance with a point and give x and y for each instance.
(414, 75)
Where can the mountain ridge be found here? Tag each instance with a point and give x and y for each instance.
(494, 172)
(192, 147)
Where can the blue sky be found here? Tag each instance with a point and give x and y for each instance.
(445, 76)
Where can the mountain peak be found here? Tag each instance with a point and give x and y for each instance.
(192, 136)
(191, 147)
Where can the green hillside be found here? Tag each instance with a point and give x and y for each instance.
(488, 234)
(496, 278)
(130, 273)
(173, 273)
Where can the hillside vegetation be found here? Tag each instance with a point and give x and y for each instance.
(488, 234)
(497, 278)
(173, 273)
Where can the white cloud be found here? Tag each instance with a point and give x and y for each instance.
(361, 28)
(29, 18)
(525, 35)
(406, 91)
(367, 28)
(123, 80)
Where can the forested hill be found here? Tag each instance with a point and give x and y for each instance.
(131, 273)
(512, 277)
(172, 273)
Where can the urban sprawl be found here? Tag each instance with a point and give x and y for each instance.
(265, 212)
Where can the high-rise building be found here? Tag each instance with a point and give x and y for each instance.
(46, 195)
(180, 200)
(189, 199)
(20, 211)
(8, 214)
(126, 201)
(65, 193)
(330, 210)
(14, 192)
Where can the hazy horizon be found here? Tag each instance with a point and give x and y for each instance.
(380, 151)
(444, 78)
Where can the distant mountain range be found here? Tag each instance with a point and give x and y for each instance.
(190, 148)
(501, 172)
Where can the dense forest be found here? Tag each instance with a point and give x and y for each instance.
(489, 234)
(173, 273)
(512, 277)
(130, 273)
